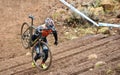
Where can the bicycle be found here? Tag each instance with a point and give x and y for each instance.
(27, 31)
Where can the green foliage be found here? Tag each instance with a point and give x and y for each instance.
(74, 21)
(55, 15)
(117, 0)
(62, 12)
(96, 3)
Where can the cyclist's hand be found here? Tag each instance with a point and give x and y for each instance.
(55, 43)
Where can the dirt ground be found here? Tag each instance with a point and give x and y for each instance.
(13, 14)
(69, 57)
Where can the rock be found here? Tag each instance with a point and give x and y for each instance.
(66, 33)
(99, 63)
(96, 11)
(106, 2)
(92, 56)
(75, 30)
(73, 37)
(118, 65)
(107, 5)
(28, 54)
(109, 71)
(64, 27)
(91, 69)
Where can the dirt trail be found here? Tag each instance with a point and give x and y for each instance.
(79, 63)
(27, 59)
(76, 56)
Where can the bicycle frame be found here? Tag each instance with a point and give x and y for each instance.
(31, 31)
(38, 39)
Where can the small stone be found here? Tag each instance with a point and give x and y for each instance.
(91, 69)
(28, 54)
(109, 71)
(75, 31)
(92, 56)
(73, 37)
(64, 27)
(99, 63)
(118, 66)
(66, 33)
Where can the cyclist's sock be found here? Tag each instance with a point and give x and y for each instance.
(42, 62)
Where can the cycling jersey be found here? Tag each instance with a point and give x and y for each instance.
(45, 31)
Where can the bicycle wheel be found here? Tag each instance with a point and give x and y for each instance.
(25, 35)
(42, 56)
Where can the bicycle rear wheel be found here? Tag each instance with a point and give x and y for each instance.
(42, 56)
(25, 35)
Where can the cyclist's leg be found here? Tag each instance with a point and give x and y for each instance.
(37, 56)
(46, 55)
(34, 37)
(45, 50)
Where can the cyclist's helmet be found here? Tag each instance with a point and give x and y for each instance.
(49, 22)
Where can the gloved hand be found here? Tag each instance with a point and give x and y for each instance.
(55, 43)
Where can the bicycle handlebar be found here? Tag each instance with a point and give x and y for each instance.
(31, 16)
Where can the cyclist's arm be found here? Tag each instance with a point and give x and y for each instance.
(55, 34)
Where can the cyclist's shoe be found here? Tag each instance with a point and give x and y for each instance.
(33, 64)
(43, 66)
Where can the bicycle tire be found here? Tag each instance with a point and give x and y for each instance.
(48, 61)
(25, 35)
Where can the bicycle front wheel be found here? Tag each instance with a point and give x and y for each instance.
(25, 35)
(42, 56)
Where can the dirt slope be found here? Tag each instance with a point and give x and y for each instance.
(13, 13)
(69, 58)
(72, 58)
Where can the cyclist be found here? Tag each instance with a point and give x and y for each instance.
(44, 30)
